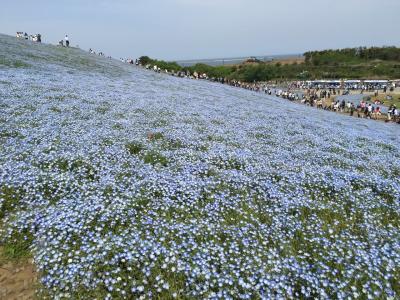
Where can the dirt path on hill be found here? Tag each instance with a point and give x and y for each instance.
(17, 281)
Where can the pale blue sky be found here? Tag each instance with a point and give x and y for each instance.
(185, 29)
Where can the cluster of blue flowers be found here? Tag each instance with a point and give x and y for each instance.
(139, 185)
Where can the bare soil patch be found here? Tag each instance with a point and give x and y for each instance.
(17, 280)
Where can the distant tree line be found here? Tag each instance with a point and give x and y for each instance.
(352, 55)
(164, 65)
(355, 63)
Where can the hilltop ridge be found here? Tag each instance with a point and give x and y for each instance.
(21, 53)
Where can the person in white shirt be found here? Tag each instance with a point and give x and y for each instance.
(348, 106)
(66, 40)
(396, 114)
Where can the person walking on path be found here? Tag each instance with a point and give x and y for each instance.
(66, 40)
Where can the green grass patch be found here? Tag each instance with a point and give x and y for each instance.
(55, 109)
(134, 148)
(13, 63)
(10, 134)
(160, 123)
(76, 166)
(155, 158)
(49, 191)
(17, 248)
(228, 164)
(117, 126)
(102, 109)
(10, 198)
(214, 138)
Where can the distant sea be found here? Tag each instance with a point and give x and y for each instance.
(234, 60)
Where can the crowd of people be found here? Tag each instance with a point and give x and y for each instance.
(61, 42)
(352, 85)
(31, 37)
(129, 61)
(66, 43)
(91, 51)
(315, 94)
(394, 114)
(321, 100)
(363, 109)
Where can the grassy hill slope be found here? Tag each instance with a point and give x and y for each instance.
(123, 184)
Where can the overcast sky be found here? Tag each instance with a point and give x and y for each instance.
(192, 29)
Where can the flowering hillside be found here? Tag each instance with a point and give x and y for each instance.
(125, 184)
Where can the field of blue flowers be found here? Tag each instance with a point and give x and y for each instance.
(126, 184)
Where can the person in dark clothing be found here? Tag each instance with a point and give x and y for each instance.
(359, 111)
(352, 109)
